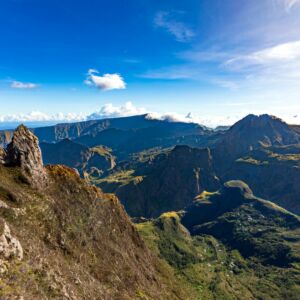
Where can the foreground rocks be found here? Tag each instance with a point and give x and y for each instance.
(24, 152)
(10, 247)
(2, 155)
(67, 239)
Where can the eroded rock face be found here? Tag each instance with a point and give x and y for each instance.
(2, 155)
(10, 247)
(24, 152)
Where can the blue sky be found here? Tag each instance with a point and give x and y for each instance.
(216, 59)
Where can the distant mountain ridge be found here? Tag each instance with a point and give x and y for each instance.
(125, 135)
(94, 161)
(214, 240)
(164, 182)
(257, 149)
(74, 130)
(252, 132)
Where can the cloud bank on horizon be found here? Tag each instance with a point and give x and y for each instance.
(129, 109)
(218, 59)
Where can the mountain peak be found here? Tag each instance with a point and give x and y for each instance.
(254, 131)
(24, 152)
(256, 121)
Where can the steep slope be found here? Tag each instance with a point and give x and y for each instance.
(167, 181)
(251, 133)
(257, 228)
(272, 172)
(125, 135)
(63, 239)
(93, 127)
(161, 134)
(5, 137)
(264, 152)
(93, 161)
(237, 246)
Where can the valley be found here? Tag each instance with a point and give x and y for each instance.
(198, 225)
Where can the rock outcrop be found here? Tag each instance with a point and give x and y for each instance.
(166, 182)
(24, 152)
(10, 247)
(78, 243)
(2, 155)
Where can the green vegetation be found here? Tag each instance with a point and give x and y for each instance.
(249, 249)
(251, 160)
(77, 243)
(102, 150)
(211, 270)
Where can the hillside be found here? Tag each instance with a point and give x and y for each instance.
(63, 239)
(251, 133)
(230, 245)
(162, 182)
(272, 172)
(125, 135)
(88, 161)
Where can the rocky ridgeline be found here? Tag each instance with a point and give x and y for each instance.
(24, 152)
(61, 238)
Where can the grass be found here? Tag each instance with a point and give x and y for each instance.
(102, 150)
(251, 160)
(211, 270)
(71, 232)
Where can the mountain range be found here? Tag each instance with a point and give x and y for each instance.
(134, 208)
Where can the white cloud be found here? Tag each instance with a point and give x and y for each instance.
(106, 111)
(209, 121)
(23, 85)
(289, 4)
(179, 30)
(37, 116)
(111, 111)
(277, 54)
(129, 109)
(105, 82)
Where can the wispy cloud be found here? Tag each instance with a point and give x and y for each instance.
(178, 29)
(23, 85)
(105, 82)
(289, 4)
(172, 73)
(275, 55)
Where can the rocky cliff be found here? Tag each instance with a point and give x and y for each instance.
(168, 181)
(24, 152)
(251, 133)
(65, 239)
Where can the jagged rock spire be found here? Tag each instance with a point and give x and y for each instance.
(24, 152)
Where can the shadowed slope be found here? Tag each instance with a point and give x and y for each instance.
(69, 240)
